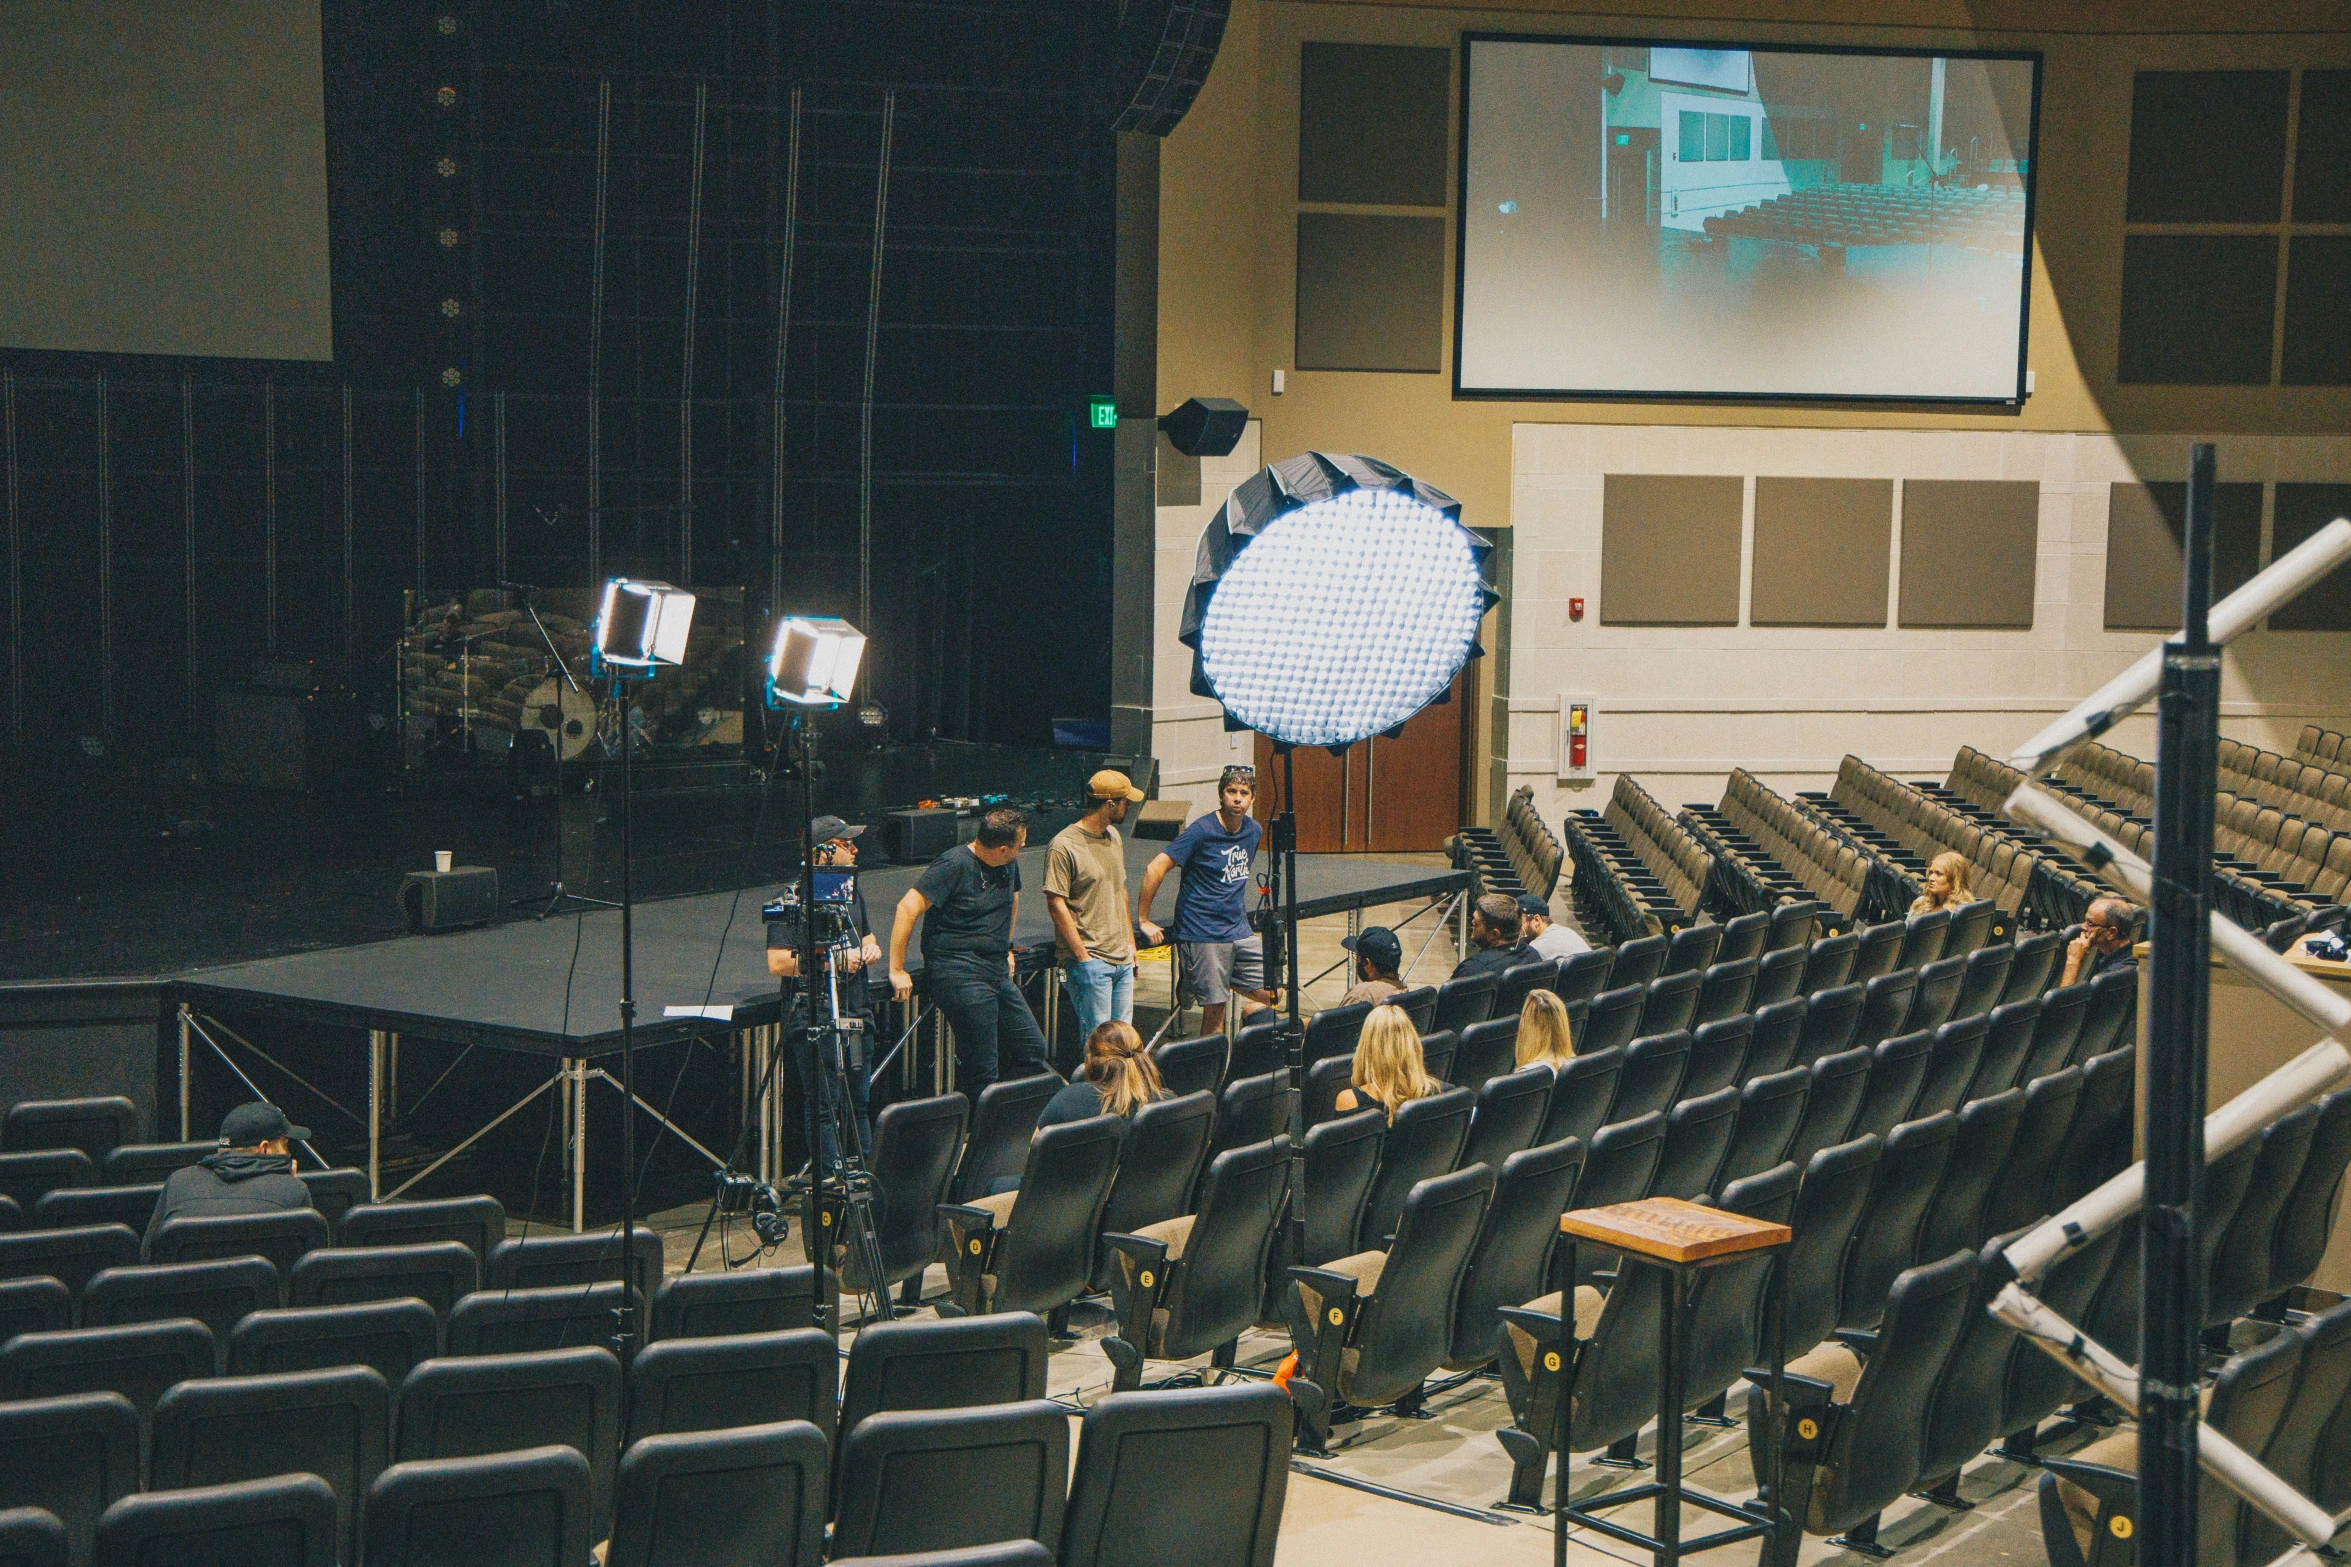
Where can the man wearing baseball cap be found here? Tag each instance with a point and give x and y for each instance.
(1544, 939)
(1086, 893)
(1379, 958)
(252, 1172)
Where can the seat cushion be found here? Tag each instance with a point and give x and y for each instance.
(2118, 1451)
(1173, 1232)
(1000, 1205)
(1588, 1305)
(1364, 1268)
(1834, 1364)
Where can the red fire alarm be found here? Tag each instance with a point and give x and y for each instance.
(1575, 609)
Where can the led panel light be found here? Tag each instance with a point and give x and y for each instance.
(814, 662)
(1332, 599)
(641, 626)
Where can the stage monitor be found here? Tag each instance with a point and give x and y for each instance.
(163, 178)
(1658, 219)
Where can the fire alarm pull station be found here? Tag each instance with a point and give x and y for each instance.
(1575, 609)
(1575, 737)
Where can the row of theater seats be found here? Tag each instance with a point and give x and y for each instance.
(739, 1448)
(1617, 896)
(1902, 1408)
(2329, 748)
(1757, 822)
(1675, 859)
(2318, 791)
(1914, 827)
(1519, 856)
(1983, 219)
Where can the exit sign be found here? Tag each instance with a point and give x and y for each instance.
(1102, 412)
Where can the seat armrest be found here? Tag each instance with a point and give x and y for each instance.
(968, 1215)
(1862, 1341)
(2106, 1483)
(1541, 1326)
(1325, 1282)
(1794, 1385)
(1140, 1247)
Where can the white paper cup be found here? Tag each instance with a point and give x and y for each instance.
(443, 859)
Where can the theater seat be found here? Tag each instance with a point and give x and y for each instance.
(1637, 962)
(25, 1178)
(1727, 1300)
(473, 1406)
(75, 1207)
(1879, 952)
(1190, 1065)
(2055, 1030)
(1507, 1263)
(1923, 936)
(283, 1238)
(718, 1498)
(517, 1321)
(217, 1294)
(480, 1222)
(1838, 1083)
(1830, 1018)
(1697, 1136)
(1334, 1030)
(1654, 1067)
(749, 1300)
(1744, 936)
(1370, 1327)
(1033, 1249)
(1424, 1140)
(1620, 1165)
(2021, 1194)
(36, 1305)
(936, 1479)
(140, 1361)
(390, 1337)
(1718, 1055)
(528, 1508)
(1165, 1150)
(1829, 1203)
(1771, 1047)
(2098, 1144)
(1670, 1005)
(1585, 975)
(2321, 1388)
(334, 1423)
(1986, 977)
(1779, 976)
(708, 1384)
(1957, 1050)
(915, 1142)
(1251, 1110)
(1613, 1020)
(1193, 1285)
(97, 1125)
(138, 1164)
(1829, 961)
(1600, 1352)
(439, 1273)
(1979, 1152)
(1485, 1051)
(1769, 1109)
(71, 1456)
(286, 1521)
(2008, 1040)
(336, 1192)
(1466, 1000)
(998, 1148)
(953, 1364)
(1581, 1093)
(1517, 983)
(2109, 1016)
(1692, 948)
(1897, 1070)
(1886, 1240)
(1885, 1005)
(1231, 1445)
(2307, 1220)
(538, 1262)
(32, 1537)
(1937, 996)
(2240, 1258)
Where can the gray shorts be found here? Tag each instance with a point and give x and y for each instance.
(1213, 970)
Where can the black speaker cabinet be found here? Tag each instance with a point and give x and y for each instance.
(1206, 426)
(267, 738)
(919, 837)
(450, 900)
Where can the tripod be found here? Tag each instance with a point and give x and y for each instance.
(840, 1188)
(553, 899)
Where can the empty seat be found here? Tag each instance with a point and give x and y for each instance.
(1744, 936)
(1509, 1116)
(1937, 995)
(1830, 1019)
(1670, 1005)
(1828, 963)
(512, 1321)
(1769, 1109)
(1652, 1076)
(1507, 1261)
(1436, 1055)
(1190, 1065)
(1231, 1445)
(1581, 1092)
(390, 1337)
(536, 1262)
(1718, 1055)
(335, 1424)
(1257, 1049)
(720, 1498)
(1838, 1083)
(2307, 1219)
(34, 1305)
(1885, 1242)
(1585, 975)
(439, 1273)
(1792, 925)
(2108, 1016)
(2056, 1029)
(25, 1178)
(218, 1294)
(1637, 961)
(1004, 1553)
(1971, 927)
(1424, 1140)
(1727, 1301)
(140, 1164)
(1771, 1047)
(32, 1537)
(1192, 1285)
(2038, 956)
(935, 1479)
(1465, 1000)
(1251, 1110)
(480, 1222)
(471, 1406)
(2008, 1040)
(287, 1520)
(71, 1456)
(1518, 982)
(140, 1361)
(1692, 948)
(1957, 1051)
(1879, 951)
(281, 1238)
(1885, 1006)
(749, 1300)
(529, 1508)
(747, 1379)
(1342, 1158)
(74, 1207)
(1779, 976)
(1984, 981)
(1923, 936)
(1597, 1352)
(97, 1126)
(2098, 1146)
(1166, 1146)
(1979, 1152)
(1370, 1327)
(1897, 1070)
(1725, 990)
(1697, 1136)
(954, 1364)
(1485, 1051)
(1334, 1030)
(334, 1193)
(997, 1148)
(1613, 1020)
(2320, 1388)
(1032, 1249)
(2021, 1195)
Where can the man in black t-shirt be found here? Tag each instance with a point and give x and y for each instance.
(836, 850)
(1493, 931)
(967, 901)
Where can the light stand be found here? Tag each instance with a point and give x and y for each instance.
(1285, 892)
(553, 899)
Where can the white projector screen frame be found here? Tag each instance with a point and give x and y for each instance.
(1556, 298)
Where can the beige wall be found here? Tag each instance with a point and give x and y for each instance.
(1227, 236)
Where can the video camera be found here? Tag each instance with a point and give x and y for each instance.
(836, 895)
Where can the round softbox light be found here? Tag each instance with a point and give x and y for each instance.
(1332, 598)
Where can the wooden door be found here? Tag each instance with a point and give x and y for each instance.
(1385, 796)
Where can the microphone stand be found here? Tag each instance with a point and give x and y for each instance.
(552, 900)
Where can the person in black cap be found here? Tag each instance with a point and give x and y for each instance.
(836, 850)
(1542, 937)
(1379, 957)
(253, 1171)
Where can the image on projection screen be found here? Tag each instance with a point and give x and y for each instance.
(1652, 220)
(163, 178)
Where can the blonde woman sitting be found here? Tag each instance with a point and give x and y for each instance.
(1118, 1078)
(1389, 1070)
(1950, 882)
(1543, 1032)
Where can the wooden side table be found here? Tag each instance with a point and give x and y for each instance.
(1682, 1240)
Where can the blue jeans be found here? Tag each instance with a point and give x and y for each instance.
(1100, 990)
(996, 1035)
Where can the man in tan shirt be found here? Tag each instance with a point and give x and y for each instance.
(1086, 893)
(1378, 956)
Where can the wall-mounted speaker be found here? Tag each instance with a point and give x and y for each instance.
(1205, 426)
(1160, 58)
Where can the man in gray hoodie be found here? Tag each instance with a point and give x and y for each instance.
(252, 1173)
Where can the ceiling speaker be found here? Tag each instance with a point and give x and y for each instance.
(1206, 426)
(1161, 56)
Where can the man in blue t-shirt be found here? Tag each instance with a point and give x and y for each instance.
(1219, 954)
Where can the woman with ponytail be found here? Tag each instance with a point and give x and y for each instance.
(1118, 1077)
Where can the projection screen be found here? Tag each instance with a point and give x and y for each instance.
(163, 176)
(1651, 219)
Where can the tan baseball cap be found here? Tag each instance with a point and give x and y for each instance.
(1111, 784)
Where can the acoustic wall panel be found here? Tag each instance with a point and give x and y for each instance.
(1371, 124)
(1371, 292)
(2207, 146)
(2145, 524)
(1821, 548)
(1669, 549)
(1970, 553)
(2197, 309)
(2303, 509)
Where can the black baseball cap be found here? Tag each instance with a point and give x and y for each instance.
(1528, 903)
(249, 1125)
(826, 828)
(1379, 945)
